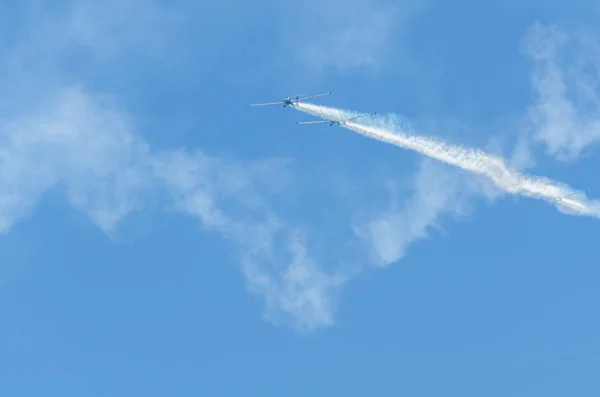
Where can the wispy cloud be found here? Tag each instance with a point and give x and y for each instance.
(70, 140)
(438, 191)
(565, 116)
(108, 27)
(347, 35)
(275, 258)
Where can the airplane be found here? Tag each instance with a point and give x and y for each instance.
(561, 199)
(336, 122)
(289, 101)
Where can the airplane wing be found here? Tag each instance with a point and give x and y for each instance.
(313, 122)
(361, 116)
(311, 97)
(266, 104)
(573, 194)
(561, 198)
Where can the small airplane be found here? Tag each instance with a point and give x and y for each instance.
(336, 122)
(562, 199)
(289, 101)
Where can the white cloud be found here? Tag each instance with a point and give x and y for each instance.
(72, 141)
(275, 258)
(566, 71)
(438, 190)
(109, 27)
(299, 292)
(350, 34)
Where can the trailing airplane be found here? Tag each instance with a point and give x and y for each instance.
(562, 199)
(336, 122)
(289, 101)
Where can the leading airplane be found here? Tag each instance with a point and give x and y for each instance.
(336, 122)
(290, 101)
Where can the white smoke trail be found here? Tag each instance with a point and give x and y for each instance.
(473, 160)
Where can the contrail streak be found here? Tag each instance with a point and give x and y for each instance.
(473, 160)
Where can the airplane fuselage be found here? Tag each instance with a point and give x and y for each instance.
(289, 101)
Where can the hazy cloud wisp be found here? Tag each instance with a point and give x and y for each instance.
(348, 35)
(565, 116)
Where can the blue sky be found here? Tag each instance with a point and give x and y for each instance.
(161, 238)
